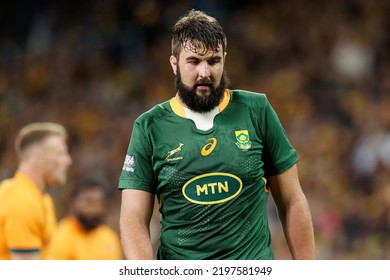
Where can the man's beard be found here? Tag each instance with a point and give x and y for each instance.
(201, 104)
(89, 222)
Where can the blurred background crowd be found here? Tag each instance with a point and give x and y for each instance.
(94, 66)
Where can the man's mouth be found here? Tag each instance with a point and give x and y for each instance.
(203, 86)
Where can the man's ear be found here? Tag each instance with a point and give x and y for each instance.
(173, 62)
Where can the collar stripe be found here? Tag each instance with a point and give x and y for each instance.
(178, 109)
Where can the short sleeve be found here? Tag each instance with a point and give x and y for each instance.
(137, 171)
(279, 155)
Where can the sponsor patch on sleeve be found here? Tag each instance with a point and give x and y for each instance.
(129, 163)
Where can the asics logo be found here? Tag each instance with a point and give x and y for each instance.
(209, 147)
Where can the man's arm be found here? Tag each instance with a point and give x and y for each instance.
(136, 212)
(294, 213)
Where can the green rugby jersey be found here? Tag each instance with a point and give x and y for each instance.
(211, 184)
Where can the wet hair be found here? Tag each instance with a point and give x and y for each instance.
(199, 32)
(35, 133)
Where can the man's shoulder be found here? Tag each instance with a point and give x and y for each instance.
(13, 194)
(68, 229)
(19, 185)
(249, 98)
(5, 185)
(10, 188)
(66, 223)
(156, 113)
(109, 232)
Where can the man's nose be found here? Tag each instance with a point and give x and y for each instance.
(204, 70)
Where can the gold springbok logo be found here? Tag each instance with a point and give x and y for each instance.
(175, 151)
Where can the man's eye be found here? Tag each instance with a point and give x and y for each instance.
(213, 61)
(194, 62)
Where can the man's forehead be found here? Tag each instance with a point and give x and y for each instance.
(91, 193)
(198, 49)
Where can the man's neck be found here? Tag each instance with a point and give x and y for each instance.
(33, 174)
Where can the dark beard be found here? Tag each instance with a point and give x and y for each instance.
(197, 103)
(89, 223)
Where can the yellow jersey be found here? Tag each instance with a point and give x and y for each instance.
(71, 242)
(27, 217)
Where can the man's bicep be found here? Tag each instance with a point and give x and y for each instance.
(285, 187)
(137, 203)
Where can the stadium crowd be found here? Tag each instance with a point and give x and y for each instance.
(94, 66)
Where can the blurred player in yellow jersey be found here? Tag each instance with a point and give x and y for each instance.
(82, 235)
(27, 212)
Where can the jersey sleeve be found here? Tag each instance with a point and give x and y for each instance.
(137, 171)
(279, 155)
(21, 229)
